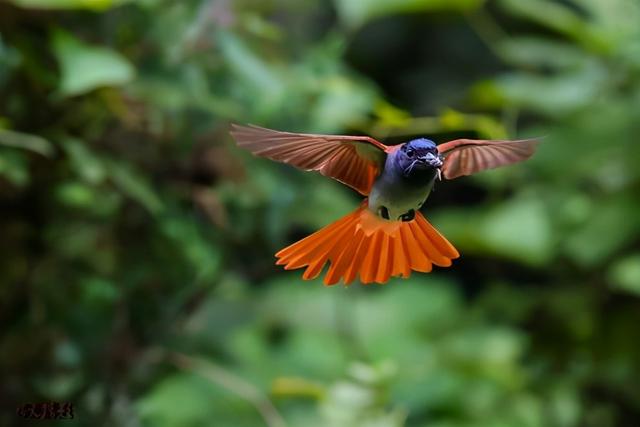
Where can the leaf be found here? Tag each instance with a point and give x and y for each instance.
(390, 115)
(539, 52)
(341, 102)
(614, 224)
(560, 18)
(181, 400)
(98, 292)
(86, 164)
(26, 142)
(625, 274)
(249, 66)
(518, 229)
(76, 194)
(135, 186)
(562, 93)
(10, 59)
(358, 12)
(202, 253)
(565, 405)
(61, 385)
(297, 387)
(494, 351)
(85, 67)
(14, 166)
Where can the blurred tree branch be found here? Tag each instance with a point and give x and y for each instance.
(234, 384)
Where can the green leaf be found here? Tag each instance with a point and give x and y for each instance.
(611, 226)
(76, 194)
(358, 12)
(341, 102)
(61, 385)
(625, 274)
(85, 67)
(519, 229)
(26, 142)
(135, 186)
(10, 59)
(560, 18)
(565, 405)
(248, 65)
(562, 93)
(201, 252)
(98, 292)
(194, 394)
(14, 166)
(86, 164)
(539, 52)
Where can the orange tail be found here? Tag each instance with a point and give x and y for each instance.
(376, 249)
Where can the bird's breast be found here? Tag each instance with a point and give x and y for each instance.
(395, 197)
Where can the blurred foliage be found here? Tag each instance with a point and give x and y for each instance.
(137, 269)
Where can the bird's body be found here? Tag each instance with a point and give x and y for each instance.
(387, 235)
(395, 194)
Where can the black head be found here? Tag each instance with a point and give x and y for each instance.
(419, 154)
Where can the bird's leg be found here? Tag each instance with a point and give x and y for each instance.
(408, 216)
(383, 212)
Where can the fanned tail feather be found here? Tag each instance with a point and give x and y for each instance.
(361, 244)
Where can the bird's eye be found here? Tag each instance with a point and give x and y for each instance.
(410, 152)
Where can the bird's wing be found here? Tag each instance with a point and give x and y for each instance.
(352, 160)
(468, 156)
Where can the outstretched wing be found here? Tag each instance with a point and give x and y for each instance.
(468, 156)
(352, 160)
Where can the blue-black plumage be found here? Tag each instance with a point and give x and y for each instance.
(406, 180)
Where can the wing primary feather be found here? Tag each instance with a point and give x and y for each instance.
(348, 159)
(467, 156)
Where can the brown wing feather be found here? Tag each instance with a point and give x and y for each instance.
(468, 156)
(352, 160)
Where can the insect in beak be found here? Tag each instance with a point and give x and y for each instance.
(432, 160)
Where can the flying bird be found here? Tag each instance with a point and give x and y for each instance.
(387, 235)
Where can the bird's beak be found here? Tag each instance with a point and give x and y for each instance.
(432, 160)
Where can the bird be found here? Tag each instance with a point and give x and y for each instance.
(387, 235)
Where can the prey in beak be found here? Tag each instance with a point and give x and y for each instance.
(433, 160)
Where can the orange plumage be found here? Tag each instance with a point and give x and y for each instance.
(361, 244)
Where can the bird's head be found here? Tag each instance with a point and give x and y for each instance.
(419, 155)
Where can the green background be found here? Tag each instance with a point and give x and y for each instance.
(137, 277)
